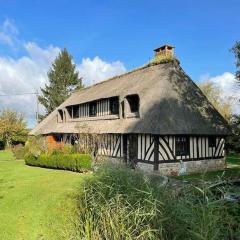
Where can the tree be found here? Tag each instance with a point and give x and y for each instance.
(12, 127)
(213, 93)
(236, 51)
(233, 142)
(63, 79)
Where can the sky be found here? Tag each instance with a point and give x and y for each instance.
(107, 38)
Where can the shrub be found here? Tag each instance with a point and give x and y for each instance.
(117, 203)
(36, 145)
(72, 162)
(19, 151)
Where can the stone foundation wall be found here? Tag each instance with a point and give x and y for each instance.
(172, 169)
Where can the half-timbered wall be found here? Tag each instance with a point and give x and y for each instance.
(106, 144)
(111, 145)
(146, 147)
(163, 148)
(198, 146)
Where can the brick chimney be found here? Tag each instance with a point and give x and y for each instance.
(165, 50)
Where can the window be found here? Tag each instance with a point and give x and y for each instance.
(69, 110)
(92, 109)
(75, 110)
(114, 105)
(182, 145)
(123, 113)
(58, 137)
(60, 115)
(211, 141)
(133, 101)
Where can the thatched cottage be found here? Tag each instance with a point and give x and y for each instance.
(153, 116)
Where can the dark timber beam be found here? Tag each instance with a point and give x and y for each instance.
(156, 155)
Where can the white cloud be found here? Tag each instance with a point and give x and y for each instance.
(96, 70)
(8, 32)
(228, 86)
(6, 39)
(25, 75)
(28, 73)
(9, 26)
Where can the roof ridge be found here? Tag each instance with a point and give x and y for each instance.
(111, 78)
(120, 75)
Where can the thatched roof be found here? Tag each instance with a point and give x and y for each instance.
(170, 103)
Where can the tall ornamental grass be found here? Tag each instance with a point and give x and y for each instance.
(118, 203)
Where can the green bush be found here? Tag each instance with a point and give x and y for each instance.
(36, 145)
(19, 151)
(117, 203)
(72, 162)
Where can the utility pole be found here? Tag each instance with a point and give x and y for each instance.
(37, 110)
(28, 93)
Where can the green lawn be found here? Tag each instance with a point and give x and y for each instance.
(6, 156)
(35, 203)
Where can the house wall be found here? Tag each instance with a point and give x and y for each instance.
(159, 152)
(111, 145)
(51, 141)
(199, 148)
(197, 166)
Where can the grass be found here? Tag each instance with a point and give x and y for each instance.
(35, 203)
(6, 156)
(118, 203)
(232, 171)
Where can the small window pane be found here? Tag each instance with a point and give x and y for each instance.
(114, 105)
(76, 111)
(60, 115)
(69, 110)
(182, 146)
(133, 101)
(92, 109)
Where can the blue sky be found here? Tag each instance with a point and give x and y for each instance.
(123, 33)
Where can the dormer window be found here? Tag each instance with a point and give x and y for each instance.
(133, 101)
(93, 109)
(69, 111)
(60, 115)
(75, 111)
(114, 105)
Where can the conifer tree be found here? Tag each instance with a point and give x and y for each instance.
(63, 79)
(236, 51)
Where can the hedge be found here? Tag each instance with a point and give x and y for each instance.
(72, 162)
